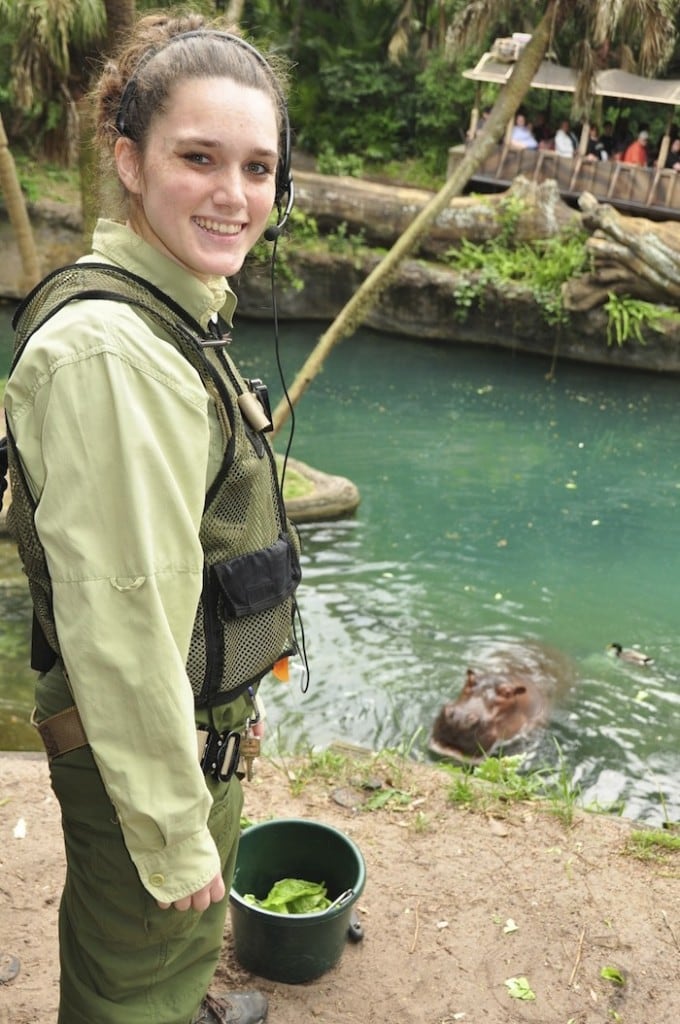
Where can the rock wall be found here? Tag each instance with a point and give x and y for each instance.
(420, 303)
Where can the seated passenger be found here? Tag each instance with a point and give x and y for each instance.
(522, 137)
(595, 149)
(637, 153)
(673, 158)
(540, 129)
(565, 141)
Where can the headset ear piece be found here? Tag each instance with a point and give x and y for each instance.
(274, 230)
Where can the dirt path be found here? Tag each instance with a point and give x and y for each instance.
(456, 903)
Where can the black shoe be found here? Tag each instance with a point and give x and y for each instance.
(233, 1008)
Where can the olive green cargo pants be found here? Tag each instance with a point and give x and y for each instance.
(124, 960)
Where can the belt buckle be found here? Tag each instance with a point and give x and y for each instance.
(218, 750)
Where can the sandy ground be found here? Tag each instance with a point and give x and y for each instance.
(456, 904)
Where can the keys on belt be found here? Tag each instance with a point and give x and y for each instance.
(250, 749)
(219, 754)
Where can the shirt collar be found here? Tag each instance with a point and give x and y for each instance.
(116, 243)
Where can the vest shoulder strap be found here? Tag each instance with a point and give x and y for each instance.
(104, 281)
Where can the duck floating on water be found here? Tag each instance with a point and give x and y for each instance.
(630, 654)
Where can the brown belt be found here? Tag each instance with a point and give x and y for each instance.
(64, 732)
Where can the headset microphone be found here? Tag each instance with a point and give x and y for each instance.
(274, 230)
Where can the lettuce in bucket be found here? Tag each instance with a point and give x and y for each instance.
(293, 896)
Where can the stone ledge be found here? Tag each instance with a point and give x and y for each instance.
(333, 497)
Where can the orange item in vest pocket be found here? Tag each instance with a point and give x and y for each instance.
(281, 670)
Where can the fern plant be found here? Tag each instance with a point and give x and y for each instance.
(627, 318)
(542, 266)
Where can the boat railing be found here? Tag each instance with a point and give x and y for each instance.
(648, 190)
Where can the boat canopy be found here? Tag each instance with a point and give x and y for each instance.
(612, 82)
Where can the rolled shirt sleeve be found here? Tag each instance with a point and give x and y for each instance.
(114, 432)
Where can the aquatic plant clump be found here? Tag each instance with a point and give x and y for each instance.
(541, 267)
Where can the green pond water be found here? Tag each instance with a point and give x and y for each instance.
(498, 508)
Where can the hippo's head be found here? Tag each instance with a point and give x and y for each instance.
(489, 711)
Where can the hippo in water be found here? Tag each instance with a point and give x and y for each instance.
(506, 697)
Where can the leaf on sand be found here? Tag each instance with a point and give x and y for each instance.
(519, 988)
(613, 974)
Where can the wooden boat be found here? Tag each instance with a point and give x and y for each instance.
(653, 192)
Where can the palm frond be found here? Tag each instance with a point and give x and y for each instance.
(655, 29)
(603, 18)
(473, 23)
(646, 26)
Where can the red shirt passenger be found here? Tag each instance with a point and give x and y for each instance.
(637, 153)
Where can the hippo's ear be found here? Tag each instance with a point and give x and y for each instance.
(470, 680)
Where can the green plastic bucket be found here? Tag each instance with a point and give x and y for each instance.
(293, 947)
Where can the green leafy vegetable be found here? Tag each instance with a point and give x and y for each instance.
(612, 974)
(519, 988)
(293, 896)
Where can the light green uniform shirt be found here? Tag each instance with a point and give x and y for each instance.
(119, 441)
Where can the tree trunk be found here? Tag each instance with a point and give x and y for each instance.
(354, 313)
(120, 16)
(233, 13)
(18, 215)
(630, 256)
(87, 167)
(380, 214)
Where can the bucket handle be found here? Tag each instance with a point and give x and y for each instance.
(341, 900)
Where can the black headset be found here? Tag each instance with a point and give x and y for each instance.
(285, 187)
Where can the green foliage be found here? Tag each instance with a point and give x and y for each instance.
(559, 790)
(502, 780)
(411, 172)
(47, 180)
(443, 101)
(346, 92)
(329, 162)
(653, 844)
(340, 240)
(628, 318)
(497, 780)
(305, 229)
(360, 107)
(541, 266)
(303, 226)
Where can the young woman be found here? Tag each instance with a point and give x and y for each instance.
(152, 530)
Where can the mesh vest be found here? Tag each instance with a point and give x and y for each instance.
(244, 620)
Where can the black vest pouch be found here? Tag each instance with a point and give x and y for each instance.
(259, 580)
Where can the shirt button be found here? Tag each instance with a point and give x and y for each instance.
(157, 879)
